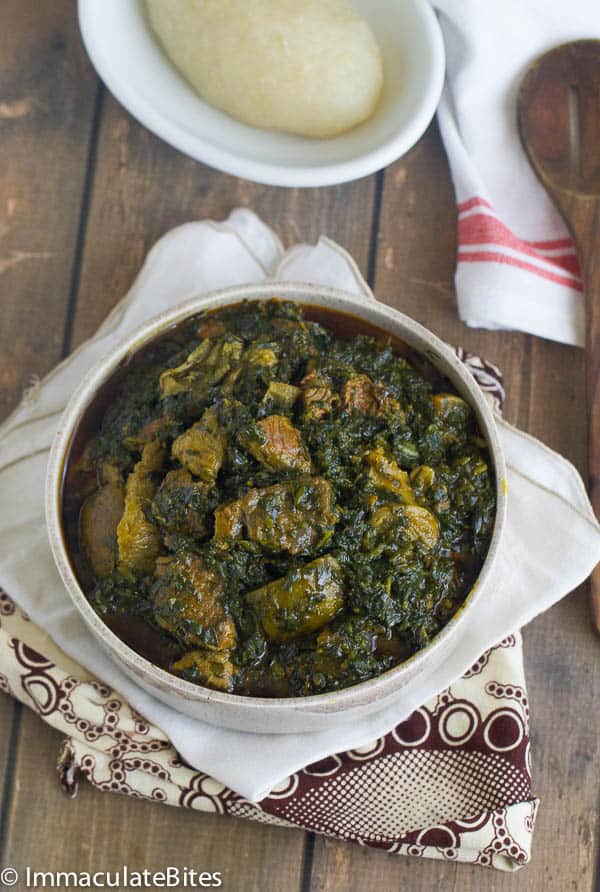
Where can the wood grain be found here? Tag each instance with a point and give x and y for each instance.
(103, 832)
(47, 97)
(10, 721)
(47, 102)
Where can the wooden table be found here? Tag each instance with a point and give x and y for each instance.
(84, 193)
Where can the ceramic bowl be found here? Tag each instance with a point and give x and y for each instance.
(132, 64)
(258, 714)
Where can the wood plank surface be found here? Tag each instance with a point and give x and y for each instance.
(60, 273)
(142, 188)
(100, 831)
(47, 100)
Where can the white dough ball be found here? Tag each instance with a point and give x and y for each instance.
(311, 67)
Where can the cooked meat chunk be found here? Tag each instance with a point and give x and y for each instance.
(153, 457)
(278, 445)
(180, 505)
(139, 541)
(182, 377)
(421, 525)
(229, 522)
(454, 415)
(210, 667)
(301, 602)
(109, 473)
(202, 447)
(317, 396)
(188, 603)
(422, 478)
(98, 523)
(206, 366)
(358, 395)
(451, 407)
(283, 517)
(280, 396)
(384, 474)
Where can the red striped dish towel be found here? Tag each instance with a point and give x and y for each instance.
(517, 266)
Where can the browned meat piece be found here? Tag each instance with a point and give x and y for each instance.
(138, 539)
(229, 522)
(280, 396)
(317, 396)
(278, 445)
(283, 517)
(454, 411)
(100, 516)
(301, 602)
(358, 395)
(449, 405)
(188, 603)
(421, 525)
(213, 668)
(181, 378)
(205, 366)
(384, 473)
(202, 448)
(108, 473)
(179, 504)
(153, 456)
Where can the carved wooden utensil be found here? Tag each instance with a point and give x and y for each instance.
(559, 122)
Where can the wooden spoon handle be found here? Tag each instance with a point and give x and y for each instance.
(583, 215)
(590, 257)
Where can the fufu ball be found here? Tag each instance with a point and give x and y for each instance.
(310, 67)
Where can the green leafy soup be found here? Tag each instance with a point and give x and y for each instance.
(267, 504)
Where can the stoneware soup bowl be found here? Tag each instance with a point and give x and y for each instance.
(259, 714)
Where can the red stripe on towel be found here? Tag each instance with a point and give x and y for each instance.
(473, 202)
(547, 244)
(497, 257)
(480, 229)
(553, 243)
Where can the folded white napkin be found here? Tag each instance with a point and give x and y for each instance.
(517, 266)
(552, 538)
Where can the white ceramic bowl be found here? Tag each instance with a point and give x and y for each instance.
(274, 715)
(135, 69)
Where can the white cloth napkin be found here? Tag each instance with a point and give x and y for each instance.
(552, 538)
(517, 266)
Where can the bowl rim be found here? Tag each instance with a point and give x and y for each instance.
(332, 701)
(237, 164)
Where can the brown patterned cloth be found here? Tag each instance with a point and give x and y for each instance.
(452, 781)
